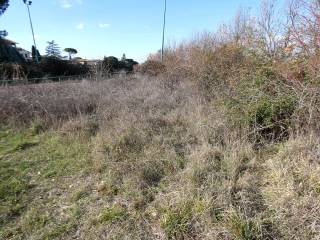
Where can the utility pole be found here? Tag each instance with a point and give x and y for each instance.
(164, 29)
(28, 3)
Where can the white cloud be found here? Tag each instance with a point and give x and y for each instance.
(80, 26)
(69, 3)
(104, 25)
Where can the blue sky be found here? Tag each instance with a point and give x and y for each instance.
(98, 28)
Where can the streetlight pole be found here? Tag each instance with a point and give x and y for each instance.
(164, 28)
(28, 3)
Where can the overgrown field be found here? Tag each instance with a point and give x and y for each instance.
(143, 158)
(218, 141)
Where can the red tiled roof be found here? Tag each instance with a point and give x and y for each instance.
(8, 41)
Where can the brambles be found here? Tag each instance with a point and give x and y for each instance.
(267, 115)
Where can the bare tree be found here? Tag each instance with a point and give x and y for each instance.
(304, 18)
(304, 29)
(270, 28)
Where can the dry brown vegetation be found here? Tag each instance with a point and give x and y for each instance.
(222, 144)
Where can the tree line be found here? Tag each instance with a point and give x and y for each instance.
(53, 63)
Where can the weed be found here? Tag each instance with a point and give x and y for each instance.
(59, 230)
(113, 214)
(177, 221)
(34, 219)
(152, 173)
(36, 128)
(244, 229)
(129, 143)
(79, 194)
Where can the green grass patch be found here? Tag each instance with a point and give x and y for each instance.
(14, 178)
(244, 229)
(62, 157)
(58, 231)
(177, 221)
(113, 214)
(27, 160)
(79, 194)
(15, 141)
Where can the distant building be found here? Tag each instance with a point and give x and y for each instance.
(90, 62)
(9, 42)
(9, 51)
(25, 54)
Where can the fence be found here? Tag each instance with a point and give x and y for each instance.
(59, 79)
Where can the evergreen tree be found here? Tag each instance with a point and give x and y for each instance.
(53, 49)
(71, 51)
(4, 4)
(34, 52)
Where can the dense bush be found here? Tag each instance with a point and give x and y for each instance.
(127, 65)
(268, 117)
(6, 71)
(32, 70)
(56, 67)
(112, 64)
(152, 68)
(52, 67)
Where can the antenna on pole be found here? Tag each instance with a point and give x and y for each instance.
(28, 3)
(164, 29)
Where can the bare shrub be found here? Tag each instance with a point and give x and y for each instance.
(151, 68)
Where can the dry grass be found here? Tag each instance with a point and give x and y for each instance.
(291, 187)
(156, 163)
(222, 145)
